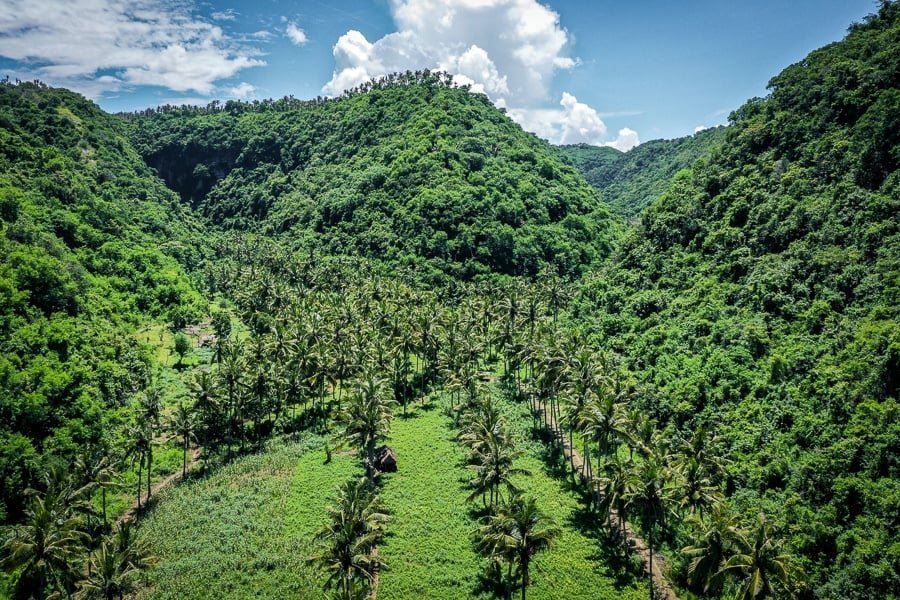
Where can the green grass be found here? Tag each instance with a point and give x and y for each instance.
(246, 531)
(579, 564)
(429, 551)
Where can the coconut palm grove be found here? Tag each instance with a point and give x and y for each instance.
(388, 344)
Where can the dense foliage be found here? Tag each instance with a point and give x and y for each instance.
(724, 388)
(414, 171)
(630, 181)
(760, 295)
(92, 244)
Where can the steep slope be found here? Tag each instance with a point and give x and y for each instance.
(91, 243)
(411, 170)
(630, 181)
(589, 159)
(761, 295)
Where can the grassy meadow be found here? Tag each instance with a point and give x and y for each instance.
(247, 529)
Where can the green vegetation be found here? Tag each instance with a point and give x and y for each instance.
(413, 172)
(248, 529)
(759, 297)
(716, 387)
(92, 246)
(631, 181)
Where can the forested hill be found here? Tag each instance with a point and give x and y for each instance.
(630, 181)
(91, 244)
(411, 170)
(761, 295)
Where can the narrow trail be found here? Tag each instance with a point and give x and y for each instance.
(663, 589)
(133, 511)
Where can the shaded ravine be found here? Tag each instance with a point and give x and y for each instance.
(663, 589)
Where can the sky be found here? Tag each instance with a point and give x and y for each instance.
(603, 72)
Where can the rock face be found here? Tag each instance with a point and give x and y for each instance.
(386, 460)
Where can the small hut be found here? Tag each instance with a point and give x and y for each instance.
(386, 460)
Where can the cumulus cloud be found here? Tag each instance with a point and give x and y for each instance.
(626, 140)
(295, 34)
(507, 48)
(475, 68)
(242, 90)
(95, 46)
(580, 122)
(574, 123)
(699, 128)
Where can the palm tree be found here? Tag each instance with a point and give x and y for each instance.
(614, 489)
(97, 470)
(367, 418)
(46, 550)
(701, 446)
(206, 405)
(602, 421)
(139, 439)
(492, 459)
(651, 498)
(150, 412)
(231, 374)
(717, 533)
(151, 402)
(517, 533)
(697, 491)
(183, 424)
(131, 550)
(355, 527)
(767, 570)
(583, 376)
(114, 569)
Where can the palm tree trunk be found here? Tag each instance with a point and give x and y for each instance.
(140, 480)
(650, 544)
(524, 578)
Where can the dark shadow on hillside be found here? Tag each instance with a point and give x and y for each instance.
(492, 583)
(608, 548)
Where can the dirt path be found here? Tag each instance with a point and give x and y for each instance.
(132, 512)
(663, 589)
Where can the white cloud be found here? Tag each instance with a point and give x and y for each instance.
(574, 123)
(626, 140)
(699, 128)
(474, 67)
(580, 124)
(242, 90)
(507, 48)
(357, 60)
(94, 46)
(224, 15)
(295, 34)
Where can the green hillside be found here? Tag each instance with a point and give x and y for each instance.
(761, 295)
(630, 181)
(692, 366)
(411, 170)
(92, 245)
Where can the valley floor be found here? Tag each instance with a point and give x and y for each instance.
(247, 530)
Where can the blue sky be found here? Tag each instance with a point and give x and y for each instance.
(598, 71)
